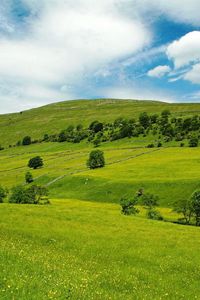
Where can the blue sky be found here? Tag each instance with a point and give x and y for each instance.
(54, 50)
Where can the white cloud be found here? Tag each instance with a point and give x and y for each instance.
(183, 11)
(185, 50)
(67, 40)
(194, 74)
(159, 71)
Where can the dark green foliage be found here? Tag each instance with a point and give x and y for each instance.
(26, 141)
(35, 162)
(144, 119)
(193, 142)
(3, 194)
(1, 148)
(128, 206)
(28, 177)
(150, 146)
(154, 214)
(96, 126)
(165, 113)
(195, 203)
(96, 159)
(32, 195)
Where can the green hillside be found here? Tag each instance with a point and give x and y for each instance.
(81, 247)
(55, 117)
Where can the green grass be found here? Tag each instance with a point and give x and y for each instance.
(55, 117)
(81, 247)
(81, 250)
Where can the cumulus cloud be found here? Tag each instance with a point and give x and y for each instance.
(159, 71)
(66, 41)
(186, 50)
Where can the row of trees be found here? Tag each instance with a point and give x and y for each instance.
(188, 208)
(162, 126)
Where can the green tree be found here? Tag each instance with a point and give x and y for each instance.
(193, 142)
(144, 120)
(96, 126)
(195, 203)
(26, 141)
(32, 195)
(28, 177)
(35, 162)
(96, 159)
(184, 207)
(128, 206)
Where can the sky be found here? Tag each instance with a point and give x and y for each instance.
(55, 50)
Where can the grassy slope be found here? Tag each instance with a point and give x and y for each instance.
(81, 250)
(52, 118)
(172, 173)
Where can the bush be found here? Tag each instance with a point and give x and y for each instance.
(154, 214)
(3, 194)
(1, 148)
(96, 159)
(26, 141)
(128, 206)
(28, 177)
(35, 162)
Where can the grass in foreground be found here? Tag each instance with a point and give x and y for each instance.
(83, 250)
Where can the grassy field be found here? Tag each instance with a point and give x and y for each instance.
(171, 173)
(81, 246)
(83, 250)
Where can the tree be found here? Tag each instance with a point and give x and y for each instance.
(193, 142)
(26, 141)
(195, 203)
(20, 195)
(96, 126)
(165, 113)
(35, 162)
(128, 206)
(150, 201)
(32, 195)
(184, 207)
(144, 120)
(28, 177)
(3, 194)
(96, 159)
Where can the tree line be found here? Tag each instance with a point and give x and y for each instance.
(164, 127)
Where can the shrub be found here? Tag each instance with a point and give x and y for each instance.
(128, 206)
(159, 144)
(96, 159)
(26, 141)
(154, 214)
(1, 148)
(35, 162)
(28, 177)
(3, 194)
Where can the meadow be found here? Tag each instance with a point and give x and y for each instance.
(81, 250)
(81, 246)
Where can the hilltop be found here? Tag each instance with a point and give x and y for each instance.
(55, 117)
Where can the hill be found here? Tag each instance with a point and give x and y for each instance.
(55, 117)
